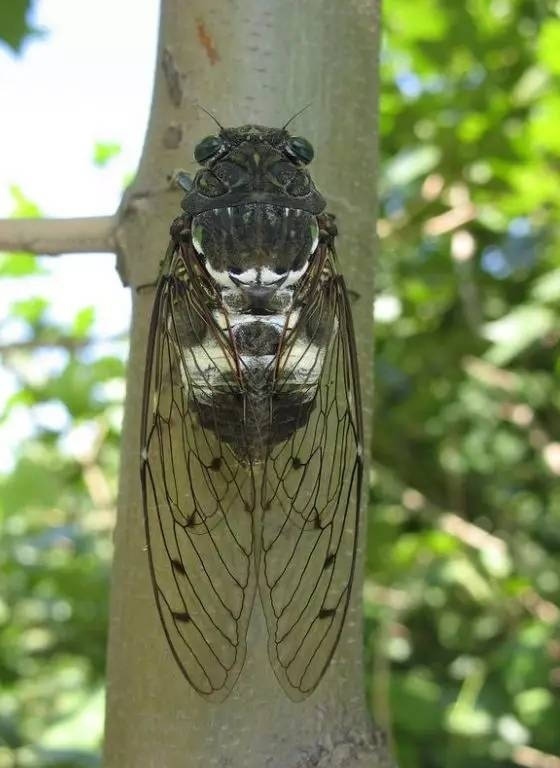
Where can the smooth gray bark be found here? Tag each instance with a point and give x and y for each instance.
(246, 61)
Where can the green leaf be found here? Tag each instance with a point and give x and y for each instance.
(20, 265)
(410, 164)
(416, 702)
(462, 574)
(34, 482)
(516, 331)
(531, 704)
(83, 322)
(416, 19)
(128, 178)
(548, 45)
(104, 152)
(83, 728)
(76, 385)
(468, 721)
(547, 288)
(24, 208)
(532, 84)
(32, 310)
(544, 124)
(14, 27)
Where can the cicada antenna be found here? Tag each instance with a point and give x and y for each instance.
(293, 117)
(215, 119)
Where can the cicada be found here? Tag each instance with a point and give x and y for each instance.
(251, 456)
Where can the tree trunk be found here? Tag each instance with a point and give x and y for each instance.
(246, 61)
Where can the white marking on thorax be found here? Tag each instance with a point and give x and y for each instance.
(196, 231)
(296, 274)
(269, 276)
(220, 277)
(248, 277)
(315, 242)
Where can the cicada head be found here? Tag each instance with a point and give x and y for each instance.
(254, 209)
(253, 164)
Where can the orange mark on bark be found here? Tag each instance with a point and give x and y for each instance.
(207, 42)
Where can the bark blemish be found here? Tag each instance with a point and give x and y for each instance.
(173, 136)
(207, 42)
(173, 77)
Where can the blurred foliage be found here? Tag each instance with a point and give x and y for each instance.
(463, 572)
(462, 588)
(104, 152)
(15, 28)
(57, 511)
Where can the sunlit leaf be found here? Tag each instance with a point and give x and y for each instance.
(14, 25)
(83, 322)
(24, 208)
(549, 45)
(513, 333)
(19, 265)
(104, 152)
(32, 310)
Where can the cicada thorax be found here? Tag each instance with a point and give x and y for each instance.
(253, 230)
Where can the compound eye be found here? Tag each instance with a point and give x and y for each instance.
(207, 148)
(300, 149)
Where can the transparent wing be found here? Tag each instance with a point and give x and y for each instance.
(310, 492)
(200, 539)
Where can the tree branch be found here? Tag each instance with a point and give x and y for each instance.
(450, 220)
(534, 758)
(63, 342)
(52, 237)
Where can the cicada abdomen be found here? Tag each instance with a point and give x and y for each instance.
(252, 432)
